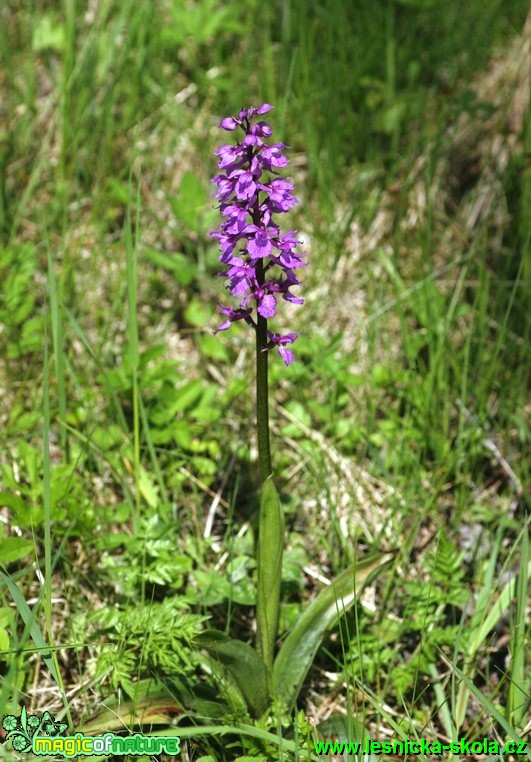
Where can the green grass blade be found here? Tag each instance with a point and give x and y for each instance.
(29, 619)
(487, 704)
(47, 494)
(496, 612)
(249, 731)
(476, 629)
(481, 633)
(131, 261)
(442, 701)
(58, 346)
(519, 681)
(98, 360)
(51, 658)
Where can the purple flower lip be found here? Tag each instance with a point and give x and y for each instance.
(229, 123)
(260, 261)
(232, 315)
(280, 342)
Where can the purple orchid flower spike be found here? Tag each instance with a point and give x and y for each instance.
(260, 261)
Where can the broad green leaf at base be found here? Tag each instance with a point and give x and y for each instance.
(296, 655)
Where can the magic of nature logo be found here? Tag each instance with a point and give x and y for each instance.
(21, 730)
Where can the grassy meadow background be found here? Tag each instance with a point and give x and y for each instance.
(127, 452)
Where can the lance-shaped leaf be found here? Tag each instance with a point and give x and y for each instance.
(298, 650)
(243, 664)
(269, 561)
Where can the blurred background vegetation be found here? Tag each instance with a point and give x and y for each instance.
(127, 456)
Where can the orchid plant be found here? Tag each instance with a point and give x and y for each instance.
(261, 263)
(261, 267)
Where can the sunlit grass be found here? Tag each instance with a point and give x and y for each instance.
(401, 427)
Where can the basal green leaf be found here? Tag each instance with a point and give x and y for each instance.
(269, 560)
(298, 650)
(243, 664)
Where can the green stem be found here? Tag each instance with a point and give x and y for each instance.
(262, 400)
(271, 520)
(270, 523)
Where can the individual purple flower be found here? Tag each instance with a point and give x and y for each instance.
(272, 156)
(280, 342)
(280, 197)
(229, 156)
(260, 261)
(236, 215)
(241, 276)
(232, 315)
(259, 245)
